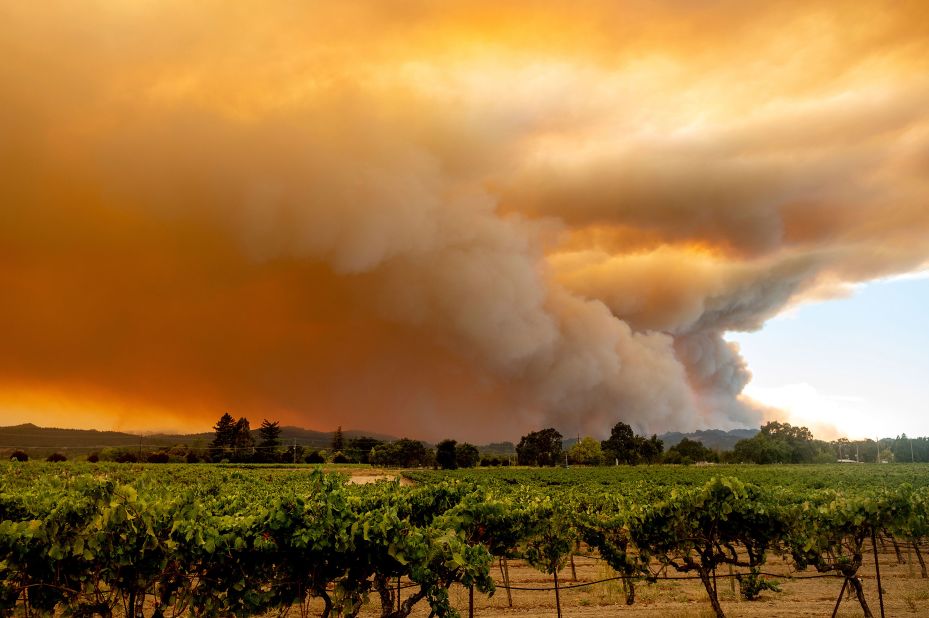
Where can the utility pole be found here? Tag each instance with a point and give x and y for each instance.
(912, 457)
(295, 450)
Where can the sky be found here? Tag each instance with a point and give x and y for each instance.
(835, 368)
(462, 220)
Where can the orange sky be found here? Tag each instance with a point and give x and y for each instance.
(440, 219)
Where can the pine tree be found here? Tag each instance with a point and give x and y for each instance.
(225, 430)
(338, 440)
(270, 434)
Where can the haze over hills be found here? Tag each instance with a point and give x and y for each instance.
(29, 435)
(715, 439)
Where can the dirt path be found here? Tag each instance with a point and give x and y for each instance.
(362, 477)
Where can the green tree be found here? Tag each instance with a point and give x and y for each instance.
(225, 430)
(539, 448)
(445, 455)
(411, 452)
(622, 445)
(269, 435)
(404, 453)
(910, 449)
(587, 452)
(689, 451)
(243, 444)
(359, 449)
(844, 449)
(761, 449)
(466, 455)
(650, 450)
(782, 443)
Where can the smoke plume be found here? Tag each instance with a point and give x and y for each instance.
(441, 220)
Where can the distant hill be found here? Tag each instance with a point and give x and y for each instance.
(33, 436)
(715, 439)
(29, 435)
(498, 448)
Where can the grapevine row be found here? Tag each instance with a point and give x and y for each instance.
(221, 543)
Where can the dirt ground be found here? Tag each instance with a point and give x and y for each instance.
(905, 594)
(363, 477)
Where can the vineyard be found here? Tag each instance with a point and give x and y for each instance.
(218, 541)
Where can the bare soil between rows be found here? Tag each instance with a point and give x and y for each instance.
(905, 594)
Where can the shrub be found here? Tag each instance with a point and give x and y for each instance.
(314, 457)
(125, 457)
(56, 457)
(19, 456)
(158, 457)
(93, 457)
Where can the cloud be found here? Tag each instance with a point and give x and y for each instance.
(470, 221)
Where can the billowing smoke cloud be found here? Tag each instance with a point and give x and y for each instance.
(463, 221)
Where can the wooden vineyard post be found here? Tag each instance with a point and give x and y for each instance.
(557, 596)
(573, 568)
(471, 601)
(919, 556)
(839, 600)
(731, 580)
(896, 546)
(504, 573)
(877, 569)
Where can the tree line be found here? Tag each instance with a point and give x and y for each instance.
(776, 443)
(545, 448)
(234, 442)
